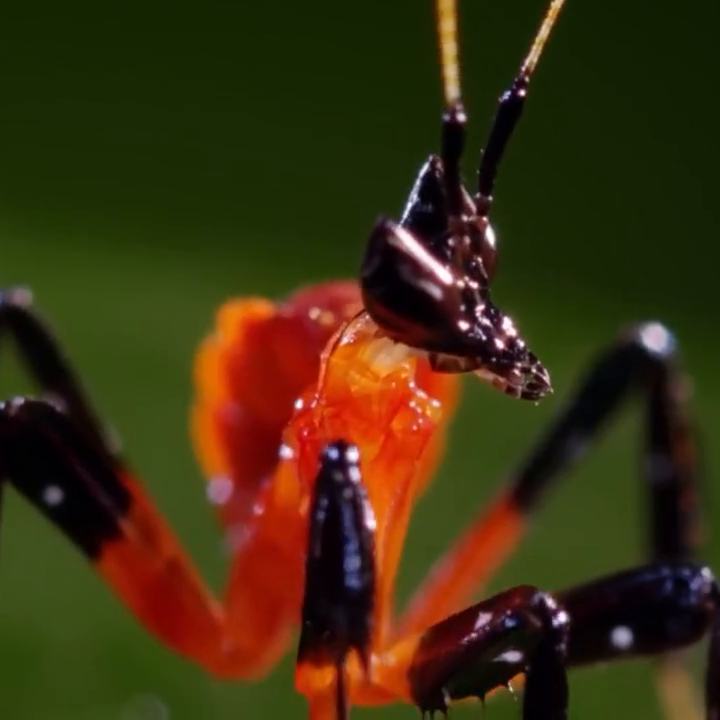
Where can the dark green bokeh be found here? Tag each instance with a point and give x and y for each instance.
(159, 159)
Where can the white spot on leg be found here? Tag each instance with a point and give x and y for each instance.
(561, 619)
(490, 236)
(52, 495)
(707, 575)
(482, 619)
(622, 638)
(510, 656)
(657, 339)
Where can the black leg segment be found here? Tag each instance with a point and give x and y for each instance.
(483, 647)
(644, 612)
(47, 364)
(49, 460)
(642, 362)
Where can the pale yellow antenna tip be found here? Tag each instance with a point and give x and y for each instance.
(447, 28)
(541, 38)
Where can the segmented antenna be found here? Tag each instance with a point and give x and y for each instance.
(543, 34)
(447, 28)
(454, 118)
(509, 110)
(449, 56)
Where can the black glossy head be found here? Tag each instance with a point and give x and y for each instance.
(426, 285)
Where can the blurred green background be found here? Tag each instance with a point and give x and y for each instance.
(159, 158)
